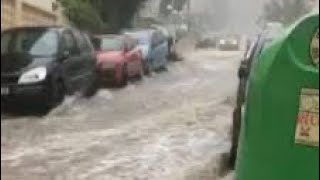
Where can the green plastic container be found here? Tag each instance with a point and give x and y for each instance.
(281, 119)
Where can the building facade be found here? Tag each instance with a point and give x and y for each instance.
(30, 13)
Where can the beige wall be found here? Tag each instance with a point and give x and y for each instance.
(29, 13)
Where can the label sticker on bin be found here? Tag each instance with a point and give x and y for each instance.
(307, 129)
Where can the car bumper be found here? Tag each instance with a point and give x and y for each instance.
(229, 47)
(108, 76)
(24, 94)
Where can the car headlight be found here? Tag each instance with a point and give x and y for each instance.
(234, 42)
(222, 41)
(33, 76)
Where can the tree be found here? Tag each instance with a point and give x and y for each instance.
(284, 11)
(118, 13)
(178, 5)
(101, 15)
(82, 15)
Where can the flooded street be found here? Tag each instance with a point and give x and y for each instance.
(173, 125)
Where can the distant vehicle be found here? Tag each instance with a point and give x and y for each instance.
(229, 43)
(251, 55)
(181, 31)
(154, 47)
(118, 58)
(41, 64)
(208, 41)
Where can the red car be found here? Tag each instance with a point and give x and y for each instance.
(118, 58)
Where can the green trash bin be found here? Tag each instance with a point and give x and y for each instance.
(280, 131)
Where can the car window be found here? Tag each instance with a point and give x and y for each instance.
(135, 43)
(81, 42)
(108, 44)
(249, 53)
(36, 42)
(161, 38)
(70, 43)
(155, 39)
(88, 45)
(130, 44)
(143, 37)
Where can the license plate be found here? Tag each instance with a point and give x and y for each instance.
(5, 91)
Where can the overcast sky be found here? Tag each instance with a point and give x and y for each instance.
(244, 13)
(241, 14)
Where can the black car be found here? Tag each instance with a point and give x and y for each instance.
(42, 64)
(251, 56)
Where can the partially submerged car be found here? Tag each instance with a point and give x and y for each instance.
(118, 58)
(39, 65)
(154, 46)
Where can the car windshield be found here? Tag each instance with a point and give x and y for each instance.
(32, 41)
(143, 37)
(108, 44)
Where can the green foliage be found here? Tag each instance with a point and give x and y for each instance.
(118, 13)
(82, 14)
(284, 11)
(101, 15)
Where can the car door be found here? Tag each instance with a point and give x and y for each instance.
(87, 58)
(71, 63)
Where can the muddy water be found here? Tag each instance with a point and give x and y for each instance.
(173, 125)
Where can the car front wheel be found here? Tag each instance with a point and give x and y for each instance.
(146, 67)
(55, 94)
(124, 77)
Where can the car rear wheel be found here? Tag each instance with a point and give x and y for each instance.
(146, 67)
(140, 74)
(124, 77)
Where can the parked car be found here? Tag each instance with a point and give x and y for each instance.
(118, 58)
(154, 48)
(170, 37)
(229, 43)
(251, 55)
(42, 64)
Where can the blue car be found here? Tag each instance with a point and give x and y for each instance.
(154, 46)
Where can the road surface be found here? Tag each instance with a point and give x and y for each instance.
(173, 125)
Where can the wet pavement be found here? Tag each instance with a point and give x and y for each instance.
(173, 125)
